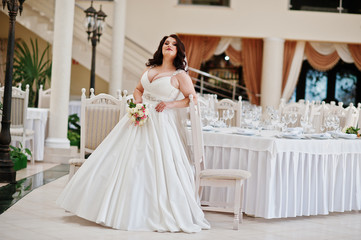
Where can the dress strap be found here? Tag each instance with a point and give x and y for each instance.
(178, 71)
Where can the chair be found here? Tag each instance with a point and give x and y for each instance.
(352, 116)
(331, 110)
(19, 109)
(301, 108)
(359, 117)
(99, 114)
(44, 97)
(225, 104)
(214, 177)
(315, 116)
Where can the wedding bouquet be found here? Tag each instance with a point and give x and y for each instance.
(138, 113)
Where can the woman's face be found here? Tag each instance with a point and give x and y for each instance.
(170, 47)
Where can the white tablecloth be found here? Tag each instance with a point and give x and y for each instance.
(37, 120)
(290, 177)
(75, 107)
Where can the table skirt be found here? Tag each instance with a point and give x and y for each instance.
(290, 184)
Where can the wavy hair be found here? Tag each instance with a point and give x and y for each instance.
(179, 61)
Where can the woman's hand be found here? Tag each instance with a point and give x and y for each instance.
(163, 105)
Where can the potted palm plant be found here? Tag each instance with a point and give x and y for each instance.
(31, 67)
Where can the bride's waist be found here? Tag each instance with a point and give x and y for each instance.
(153, 100)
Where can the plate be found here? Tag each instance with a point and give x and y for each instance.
(292, 136)
(321, 136)
(347, 136)
(343, 135)
(207, 128)
(244, 132)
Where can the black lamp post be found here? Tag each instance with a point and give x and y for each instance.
(94, 23)
(7, 173)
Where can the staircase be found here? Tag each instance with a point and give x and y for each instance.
(38, 16)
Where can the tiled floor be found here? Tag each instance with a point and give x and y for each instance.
(37, 217)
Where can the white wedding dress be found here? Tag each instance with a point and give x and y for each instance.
(139, 178)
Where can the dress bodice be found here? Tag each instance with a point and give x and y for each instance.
(159, 89)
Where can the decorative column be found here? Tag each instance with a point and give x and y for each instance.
(116, 69)
(60, 74)
(272, 68)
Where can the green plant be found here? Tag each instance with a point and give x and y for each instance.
(352, 130)
(19, 156)
(31, 67)
(74, 130)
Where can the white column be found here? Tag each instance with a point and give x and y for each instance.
(272, 68)
(60, 74)
(116, 69)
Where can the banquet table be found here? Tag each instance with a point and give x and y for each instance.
(290, 177)
(37, 120)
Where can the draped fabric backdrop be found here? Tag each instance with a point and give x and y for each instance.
(248, 53)
(294, 71)
(355, 50)
(199, 49)
(252, 53)
(288, 54)
(235, 56)
(321, 62)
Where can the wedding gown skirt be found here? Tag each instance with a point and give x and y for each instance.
(139, 178)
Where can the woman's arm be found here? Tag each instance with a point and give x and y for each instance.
(138, 91)
(186, 87)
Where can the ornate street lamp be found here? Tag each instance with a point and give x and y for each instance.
(94, 24)
(7, 173)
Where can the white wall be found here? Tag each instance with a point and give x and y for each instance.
(149, 20)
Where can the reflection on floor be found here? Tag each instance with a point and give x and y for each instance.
(36, 216)
(13, 192)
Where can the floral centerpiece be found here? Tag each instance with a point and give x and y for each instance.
(351, 130)
(138, 113)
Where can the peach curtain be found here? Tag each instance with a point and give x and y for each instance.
(288, 54)
(252, 53)
(321, 62)
(234, 56)
(198, 49)
(355, 50)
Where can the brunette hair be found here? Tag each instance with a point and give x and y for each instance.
(179, 61)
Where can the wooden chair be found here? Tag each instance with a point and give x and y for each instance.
(19, 108)
(44, 97)
(99, 115)
(214, 177)
(226, 104)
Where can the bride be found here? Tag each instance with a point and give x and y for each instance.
(139, 178)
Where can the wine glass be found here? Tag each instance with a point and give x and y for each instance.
(293, 118)
(230, 116)
(215, 117)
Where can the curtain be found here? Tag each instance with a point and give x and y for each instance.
(319, 61)
(252, 53)
(3, 50)
(355, 50)
(288, 54)
(328, 48)
(199, 49)
(234, 56)
(294, 71)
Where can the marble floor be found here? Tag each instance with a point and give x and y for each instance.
(36, 216)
